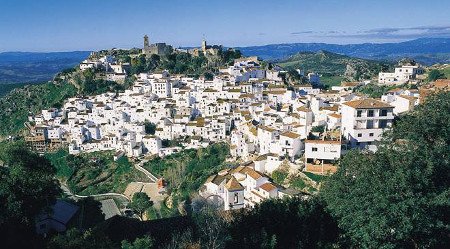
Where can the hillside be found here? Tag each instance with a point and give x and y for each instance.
(14, 107)
(425, 50)
(26, 67)
(331, 64)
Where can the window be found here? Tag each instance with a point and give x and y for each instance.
(370, 134)
(359, 134)
(383, 113)
(236, 197)
(314, 149)
(358, 113)
(383, 124)
(370, 113)
(369, 124)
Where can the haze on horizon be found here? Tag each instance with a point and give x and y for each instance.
(50, 25)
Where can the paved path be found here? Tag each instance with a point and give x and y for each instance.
(139, 167)
(75, 196)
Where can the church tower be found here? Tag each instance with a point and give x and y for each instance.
(204, 46)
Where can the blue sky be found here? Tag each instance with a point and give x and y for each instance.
(66, 25)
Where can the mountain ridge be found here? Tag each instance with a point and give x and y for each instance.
(428, 50)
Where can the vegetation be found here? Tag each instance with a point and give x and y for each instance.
(298, 224)
(435, 74)
(94, 173)
(398, 196)
(186, 171)
(6, 88)
(279, 176)
(140, 203)
(27, 187)
(336, 65)
(315, 177)
(331, 80)
(140, 243)
(150, 128)
(75, 239)
(16, 105)
(59, 160)
(320, 129)
(373, 90)
(184, 63)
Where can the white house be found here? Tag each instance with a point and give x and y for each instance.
(364, 120)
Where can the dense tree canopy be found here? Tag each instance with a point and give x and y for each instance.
(27, 187)
(75, 239)
(284, 223)
(398, 196)
(140, 243)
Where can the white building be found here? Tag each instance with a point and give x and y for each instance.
(400, 75)
(364, 120)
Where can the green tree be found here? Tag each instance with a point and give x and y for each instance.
(27, 187)
(435, 74)
(150, 127)
(284, 223)
(398, 197)
(90, 213)
(140, 243)
(75, 239)
(208, 76)
(320, 129)
(140, 203)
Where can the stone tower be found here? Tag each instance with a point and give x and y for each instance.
(146, 43)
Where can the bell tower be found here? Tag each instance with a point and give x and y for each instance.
(204, 45)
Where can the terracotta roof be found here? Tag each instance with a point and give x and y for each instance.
(333, 108)
(290, 134)
(253, 174)
(267, 128)
(410, 98)
(268, 187)
(347, 84)
(303, 109)
(335, 115)
(233, 185)
(367, 104)
(323, 141)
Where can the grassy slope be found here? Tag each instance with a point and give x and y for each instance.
(189, 168)
(94, 173)
(332, 80)
(15, 106)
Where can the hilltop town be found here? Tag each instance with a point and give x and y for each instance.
(270, 126)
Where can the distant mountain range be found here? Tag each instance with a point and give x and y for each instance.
(28, 67)
(424, 50)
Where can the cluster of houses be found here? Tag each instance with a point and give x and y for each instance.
(401, 75)
(265, 123)
(114, 70)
